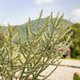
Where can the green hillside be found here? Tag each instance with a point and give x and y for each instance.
(34, 23)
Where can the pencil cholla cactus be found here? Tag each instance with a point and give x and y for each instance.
(9, 58)
(32, 57)
(40, 48)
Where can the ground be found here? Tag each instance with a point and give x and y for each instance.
(65, 71)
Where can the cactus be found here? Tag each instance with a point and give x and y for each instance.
(32, 57)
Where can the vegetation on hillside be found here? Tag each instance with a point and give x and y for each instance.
(34, 24)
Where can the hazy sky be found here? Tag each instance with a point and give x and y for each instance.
(18, 11)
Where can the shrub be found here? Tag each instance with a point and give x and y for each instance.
(32, 57)
(76, 76)
(75, 47)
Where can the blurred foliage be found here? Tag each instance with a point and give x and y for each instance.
(75, 47)
(76, 76)
(1, 38)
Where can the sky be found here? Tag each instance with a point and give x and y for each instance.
(17, 12)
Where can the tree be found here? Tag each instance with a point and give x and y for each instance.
(75, 47)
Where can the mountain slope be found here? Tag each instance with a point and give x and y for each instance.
(34, 23)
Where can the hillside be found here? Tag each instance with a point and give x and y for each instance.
(34, 23)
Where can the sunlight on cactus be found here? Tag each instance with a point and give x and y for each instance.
(33, 56)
